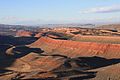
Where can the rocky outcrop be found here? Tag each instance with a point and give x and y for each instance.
(75, 49)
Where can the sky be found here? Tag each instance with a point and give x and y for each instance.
(34, 12)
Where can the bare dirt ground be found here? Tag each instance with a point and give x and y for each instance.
(60, 54)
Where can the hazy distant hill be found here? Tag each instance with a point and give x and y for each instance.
(12, 29)
(110, 26)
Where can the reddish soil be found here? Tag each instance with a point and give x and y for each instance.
(75, 49)
(53, 58)
(38, 35)
(23, 33)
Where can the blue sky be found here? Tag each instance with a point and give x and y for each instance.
(34, 12)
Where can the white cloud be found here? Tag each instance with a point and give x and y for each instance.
(106, 9)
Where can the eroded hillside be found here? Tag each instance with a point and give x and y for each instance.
(61, 54)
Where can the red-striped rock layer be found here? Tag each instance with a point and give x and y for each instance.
(77, 49)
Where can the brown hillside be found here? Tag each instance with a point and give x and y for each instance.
(23, 33)
(75, 49)
(99, 39)
(110, 26)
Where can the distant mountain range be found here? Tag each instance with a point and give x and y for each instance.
(51, 25)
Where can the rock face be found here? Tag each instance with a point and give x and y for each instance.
(23, 33)
(75, 49)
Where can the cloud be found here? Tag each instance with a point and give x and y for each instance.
(106, 9)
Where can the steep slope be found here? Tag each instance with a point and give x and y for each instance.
(75, 49)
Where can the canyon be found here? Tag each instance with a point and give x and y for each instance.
(60, 54)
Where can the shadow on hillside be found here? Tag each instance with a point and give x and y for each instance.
(74, 69)
(77, 68)
(3, 48)
(16, 40)
(95, 62)
(21, 51)
(6, 60)
(57, 35)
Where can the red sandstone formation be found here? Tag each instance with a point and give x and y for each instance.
(77, 49)
(23, 33)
